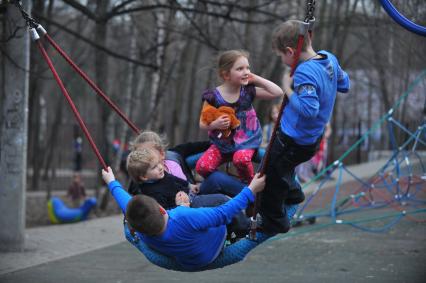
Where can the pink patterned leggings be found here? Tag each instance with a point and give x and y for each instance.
(213, 158)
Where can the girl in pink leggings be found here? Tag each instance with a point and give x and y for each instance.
(238, 90)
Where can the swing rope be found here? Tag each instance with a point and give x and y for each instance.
(305, 26)
(71, 103)
(36, 30)
(31, 23)
(92, 84)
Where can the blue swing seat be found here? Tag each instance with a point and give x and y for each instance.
(58, 212)
(230, 254)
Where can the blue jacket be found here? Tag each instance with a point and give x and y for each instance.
(316, 83)
(194, 236)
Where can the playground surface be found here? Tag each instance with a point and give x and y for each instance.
(96, 251)
(333, 254)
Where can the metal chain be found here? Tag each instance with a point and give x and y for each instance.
(30, 21)
(310, 9)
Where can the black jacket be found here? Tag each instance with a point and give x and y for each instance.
(163, 191)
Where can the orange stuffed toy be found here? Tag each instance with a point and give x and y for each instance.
(210, 113)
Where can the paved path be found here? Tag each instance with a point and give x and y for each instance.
(54, 242)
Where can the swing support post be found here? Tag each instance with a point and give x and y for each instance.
(13, 138)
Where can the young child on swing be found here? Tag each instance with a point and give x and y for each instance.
(146, 169)
(311, 94)
(193, 237)
(238, 90)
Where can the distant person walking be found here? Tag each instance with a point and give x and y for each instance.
(76, 191)
(78, 150)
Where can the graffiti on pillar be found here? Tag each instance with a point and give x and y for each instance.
(13, 119)
(13, 138)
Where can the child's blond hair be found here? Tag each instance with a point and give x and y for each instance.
(226, 60)
(286, 35)
(139, 161)
(158, 141)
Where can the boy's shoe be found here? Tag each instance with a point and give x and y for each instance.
(261, 227)
(295, 196)
(259, 223)
(235, 239)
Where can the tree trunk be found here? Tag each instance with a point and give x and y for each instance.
(101, 75)
(52, 142)
(156, 75)
(37, 64)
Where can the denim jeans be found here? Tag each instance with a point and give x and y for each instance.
(281, 186)
(220, 182)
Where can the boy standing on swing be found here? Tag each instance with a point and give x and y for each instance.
(311, 95)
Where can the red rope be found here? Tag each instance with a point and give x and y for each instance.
(92, 84)
(283, 104)
(265, 163)
(71, 103)
(300, 41)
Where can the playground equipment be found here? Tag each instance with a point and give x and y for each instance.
(58, 212)
(401, 20)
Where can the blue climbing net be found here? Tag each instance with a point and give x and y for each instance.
(398, 185)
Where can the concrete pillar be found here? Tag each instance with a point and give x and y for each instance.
(13, 136)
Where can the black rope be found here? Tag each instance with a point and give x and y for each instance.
(31, 23)
(310, 9)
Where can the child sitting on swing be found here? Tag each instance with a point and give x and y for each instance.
(238, 90)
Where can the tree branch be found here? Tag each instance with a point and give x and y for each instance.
(123, 4)
(246, 9)
(189, 10)
(83, 9)
(97, 46)
(204, 37)
(19, 67)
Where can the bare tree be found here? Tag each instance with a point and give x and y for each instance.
(171, 62)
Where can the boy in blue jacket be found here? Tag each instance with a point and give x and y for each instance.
(311, 95)
(193, 236)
